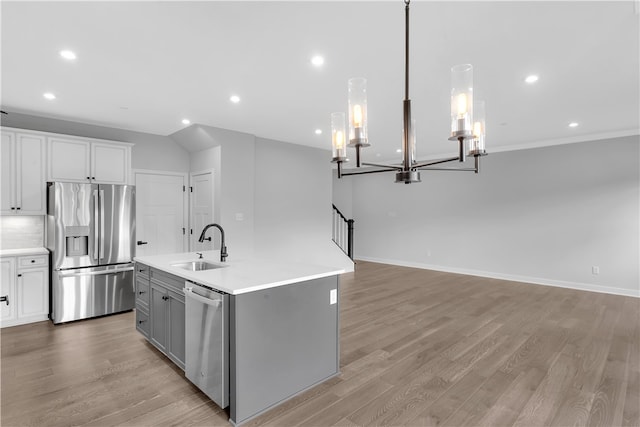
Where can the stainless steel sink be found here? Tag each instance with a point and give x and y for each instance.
(197, 265)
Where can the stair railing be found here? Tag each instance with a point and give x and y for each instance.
(343, 231)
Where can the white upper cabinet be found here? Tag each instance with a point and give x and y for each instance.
(110, 163)
(69, 160)
(77, 160)
(23, 174)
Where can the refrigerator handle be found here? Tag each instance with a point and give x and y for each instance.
(102, 238)
(96, 221)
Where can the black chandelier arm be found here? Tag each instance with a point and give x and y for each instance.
(449, 169)
(379, 165)
(364, 172)
(435, 162)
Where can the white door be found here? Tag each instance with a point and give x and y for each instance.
(160, 213)
(201, 197)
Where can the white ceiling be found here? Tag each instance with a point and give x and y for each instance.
(145, 66)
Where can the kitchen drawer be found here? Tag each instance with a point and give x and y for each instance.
(33, 261)
(167, 280)
(142, 292)
(142, 321)
(142, 270)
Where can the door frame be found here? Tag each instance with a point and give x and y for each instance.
(185, 197)
(213, 200)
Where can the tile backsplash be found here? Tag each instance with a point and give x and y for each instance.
(17, 232)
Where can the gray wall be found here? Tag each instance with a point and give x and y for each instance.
(343, 194)
(150, 151)
(233, 180)
(544, 215)
(281, 190)
(293, 201)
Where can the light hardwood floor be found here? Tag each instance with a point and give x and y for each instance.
(418, 348)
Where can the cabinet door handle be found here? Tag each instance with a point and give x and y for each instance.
(13, 209)
(33, 260)
(140, 242)
(5, 298)
(140, 322)
(18, 209)
(19, 275)
(164, 297)
(141, 292)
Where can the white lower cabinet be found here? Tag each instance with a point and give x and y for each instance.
(25, 289)
(8, 290)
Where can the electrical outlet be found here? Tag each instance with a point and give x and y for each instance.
(595, 270)
(333, 296)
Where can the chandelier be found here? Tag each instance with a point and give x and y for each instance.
(467, 126)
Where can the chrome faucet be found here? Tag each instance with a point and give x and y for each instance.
(223, 248)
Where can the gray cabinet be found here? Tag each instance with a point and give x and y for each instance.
(160, 311)
(142, 299)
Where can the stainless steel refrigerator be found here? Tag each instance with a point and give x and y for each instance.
(91, 237)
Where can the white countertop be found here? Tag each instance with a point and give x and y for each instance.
(24, 251)
(240, 276)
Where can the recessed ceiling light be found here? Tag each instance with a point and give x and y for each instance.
(318, 131)
(186, 121)
(317, 60)
(399, 150)
(531, 79)
(49, 96)
(234, 98)
(67, 54)
(573, 124)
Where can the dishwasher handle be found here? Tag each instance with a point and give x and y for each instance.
(188, 292)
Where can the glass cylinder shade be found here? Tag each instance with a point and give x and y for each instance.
(338, 136)
(412, 142)
(476, 146)
(358, 112)
(461, 101)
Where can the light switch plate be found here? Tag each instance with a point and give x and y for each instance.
(333, 296)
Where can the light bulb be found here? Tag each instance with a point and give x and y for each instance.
(339, 140)
(477, 129)
(357, 116)
(462, 105)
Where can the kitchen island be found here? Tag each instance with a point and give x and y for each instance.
(281, 328)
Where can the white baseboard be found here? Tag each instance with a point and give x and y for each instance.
(24, 320)
(511, 277)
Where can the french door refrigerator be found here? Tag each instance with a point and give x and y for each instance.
(91, 238)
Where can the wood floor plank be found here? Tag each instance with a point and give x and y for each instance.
(418, 347)
(544, 403)
(507, 408)
(449, 402)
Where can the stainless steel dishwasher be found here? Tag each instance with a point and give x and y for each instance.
(207, 341)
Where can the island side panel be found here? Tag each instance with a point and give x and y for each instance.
(283, 340)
